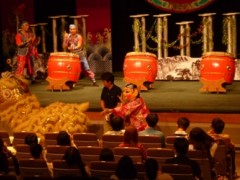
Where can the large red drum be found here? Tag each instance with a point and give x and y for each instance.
(140, 65)
(217, 65)
(64, 65)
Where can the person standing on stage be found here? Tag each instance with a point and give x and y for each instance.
(73, 42)
(24, 41)
(110, 96)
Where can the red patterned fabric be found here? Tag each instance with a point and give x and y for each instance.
(137, 112)
(180, 6)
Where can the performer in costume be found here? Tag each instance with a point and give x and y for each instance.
(133, 108)
(24, 41)
(73, 42)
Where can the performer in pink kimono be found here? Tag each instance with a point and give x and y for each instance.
(133, 108)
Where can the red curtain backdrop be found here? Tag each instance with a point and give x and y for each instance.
(99, 14)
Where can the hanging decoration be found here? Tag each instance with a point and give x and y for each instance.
(195, 37)
(180, 6)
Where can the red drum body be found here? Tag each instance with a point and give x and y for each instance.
(217, 65)
(140, 65)
(63, 65)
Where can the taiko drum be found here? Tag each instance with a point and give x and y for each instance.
(140, 65)
(64, 65)
(217, 65)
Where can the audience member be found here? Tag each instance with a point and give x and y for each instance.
(152, 120)
(63, 139)
(117, 125)
(36, 151)
(181, 146)
(130, 139)
(152, 171)
(182, 125)
(200, 140)
(5, 156)
(31, 139)
(217, 127)
(73, 158)
(125, 169)
(106, 154)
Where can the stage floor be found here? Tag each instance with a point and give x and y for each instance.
(165, 96)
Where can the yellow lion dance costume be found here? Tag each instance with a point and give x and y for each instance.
(21, 111)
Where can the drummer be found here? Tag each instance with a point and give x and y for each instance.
(73, 42)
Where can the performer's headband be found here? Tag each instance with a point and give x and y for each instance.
(72, 26)
(130, 85)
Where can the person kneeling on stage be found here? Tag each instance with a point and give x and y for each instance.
(133, 109)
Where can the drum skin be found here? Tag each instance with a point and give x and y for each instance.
(140, 65)
(217, 65)
(64, 65)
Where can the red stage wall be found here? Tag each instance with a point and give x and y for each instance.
(9, 8)
(99, 14)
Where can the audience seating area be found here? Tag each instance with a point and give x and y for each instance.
(89, 146)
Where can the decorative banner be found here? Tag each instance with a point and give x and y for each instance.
(180, 6)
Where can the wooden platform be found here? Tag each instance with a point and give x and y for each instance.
(173, 116)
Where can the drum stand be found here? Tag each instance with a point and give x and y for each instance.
(231, 33)
(212, 85)
(142, 30)
(57, 84)
(207, 31)
(43, 38)
(162, 34)
(185, 42)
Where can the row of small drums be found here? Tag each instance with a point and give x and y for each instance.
(143, 65)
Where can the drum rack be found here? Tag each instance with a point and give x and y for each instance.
(212, 85)
(57, 84)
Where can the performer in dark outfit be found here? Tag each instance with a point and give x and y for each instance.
(110, 96)
(110, 92)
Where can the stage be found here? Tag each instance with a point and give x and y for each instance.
(165, 96)
(170, 99)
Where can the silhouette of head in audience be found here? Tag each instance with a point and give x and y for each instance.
(152, 119)
(130, 135)
(183, 123)
(36, 150)
(125, 168)
(200, 139)
(218, 125)
(31, 139)
(151, 166)
(116, 122)
(63, 139)
(106, 154)
(73, 158)
(3, 158)
(1, 143)
(181, 146)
